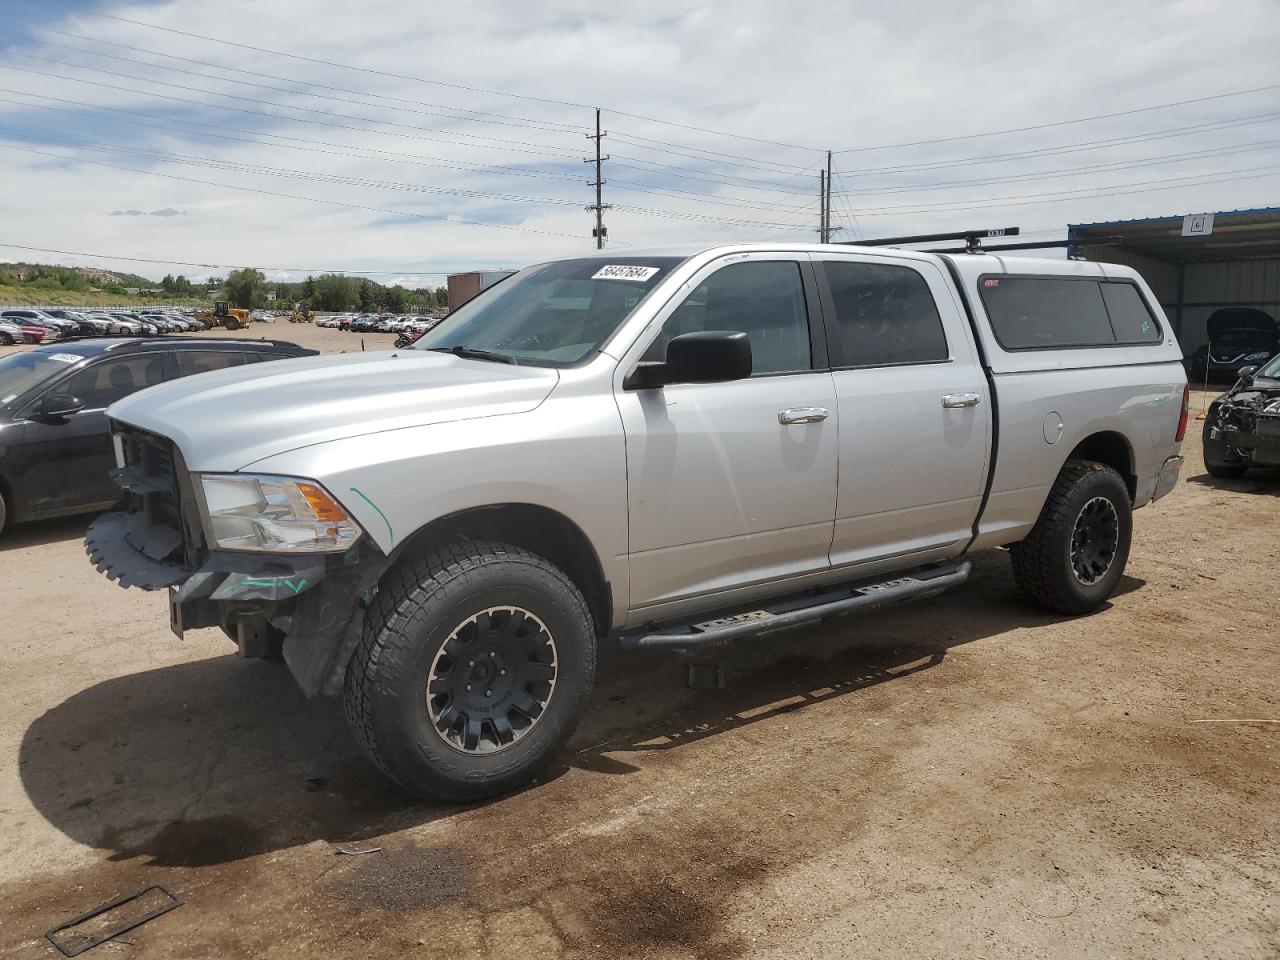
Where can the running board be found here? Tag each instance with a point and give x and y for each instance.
(795, 611)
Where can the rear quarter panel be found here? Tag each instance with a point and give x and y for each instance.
(1134, 391)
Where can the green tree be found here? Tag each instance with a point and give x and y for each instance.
(368, 295)
(442, 296)
(397, 299)
(246, 288)
(167, 283)
(333, 291)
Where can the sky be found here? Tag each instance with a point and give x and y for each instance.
(406, 139)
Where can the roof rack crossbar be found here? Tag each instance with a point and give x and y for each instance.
(972, 238)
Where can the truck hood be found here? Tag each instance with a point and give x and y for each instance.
(229, 419)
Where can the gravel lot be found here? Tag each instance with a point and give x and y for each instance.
(965, 777)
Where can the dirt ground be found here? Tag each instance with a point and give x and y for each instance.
(965, 777)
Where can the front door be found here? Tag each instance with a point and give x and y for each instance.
(70, 460)
(732, 484)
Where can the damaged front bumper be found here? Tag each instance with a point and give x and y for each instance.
(315, 600)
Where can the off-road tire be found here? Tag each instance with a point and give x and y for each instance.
(420, 604)
(231, 323)
(1042, 563)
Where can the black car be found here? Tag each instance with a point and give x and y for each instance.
(55, 442)
(87, 326)
(38, 318)
(1242, 428)
(1238, 337)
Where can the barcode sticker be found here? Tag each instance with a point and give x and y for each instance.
(618, 271)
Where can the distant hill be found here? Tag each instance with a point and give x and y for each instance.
(95, 275)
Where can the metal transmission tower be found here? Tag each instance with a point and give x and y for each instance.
(599, 231)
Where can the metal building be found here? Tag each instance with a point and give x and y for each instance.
(1196, 264)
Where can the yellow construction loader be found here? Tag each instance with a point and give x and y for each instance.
(301, 314)
(223, 315)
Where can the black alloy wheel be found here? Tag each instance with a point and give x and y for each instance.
(492, 680)
(1094, 539)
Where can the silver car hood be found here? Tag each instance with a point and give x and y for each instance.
(228, 419)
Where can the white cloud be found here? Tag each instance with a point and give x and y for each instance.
(827, 75)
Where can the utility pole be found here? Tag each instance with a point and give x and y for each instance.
(599, 207)
(822, 206)
(826, 210)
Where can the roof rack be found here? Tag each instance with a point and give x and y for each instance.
(972, 239)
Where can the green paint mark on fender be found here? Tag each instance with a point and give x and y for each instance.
(257, 583)
(390, 533)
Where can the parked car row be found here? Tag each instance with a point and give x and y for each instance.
(31, 325)
(379, 323)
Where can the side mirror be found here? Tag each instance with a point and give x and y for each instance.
(1246, 373)
(706, 356)
(58, 406)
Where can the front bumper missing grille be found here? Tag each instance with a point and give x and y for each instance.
(125, 549)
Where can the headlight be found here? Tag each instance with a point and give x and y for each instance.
(277, 514)
(1257, 356)
(1272, 407)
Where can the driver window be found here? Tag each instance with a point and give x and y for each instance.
(762, 298)
(102, 384)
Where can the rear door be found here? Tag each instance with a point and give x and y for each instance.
(914, 409)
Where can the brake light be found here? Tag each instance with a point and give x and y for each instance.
(1182, 417)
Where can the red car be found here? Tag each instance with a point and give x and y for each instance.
(34, 334)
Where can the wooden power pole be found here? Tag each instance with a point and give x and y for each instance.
(599, 231)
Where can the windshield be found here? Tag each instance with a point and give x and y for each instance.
(19, 372)
(1272, 369)
(553, 314)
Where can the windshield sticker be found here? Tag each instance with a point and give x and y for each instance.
(65, 357)
(618, 271)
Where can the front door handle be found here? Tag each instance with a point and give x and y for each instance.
(802, 415)
(952, 400)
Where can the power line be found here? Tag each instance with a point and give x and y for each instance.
(227, 266)
(1063, 123)
(440, 83)
(271, 103)
(273, 116)
(187, 71)
(494, 117)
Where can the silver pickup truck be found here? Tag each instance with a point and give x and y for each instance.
(671, 450)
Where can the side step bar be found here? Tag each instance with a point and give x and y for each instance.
(789, 613)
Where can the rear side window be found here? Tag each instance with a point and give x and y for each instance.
(885, 314)
(203, 361)
(1043, 313)
(103, 383)
(1036, 312)
(1130, 319)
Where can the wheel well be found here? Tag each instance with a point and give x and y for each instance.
(539, 530)
(1112, 449)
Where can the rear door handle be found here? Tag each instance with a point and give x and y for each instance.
(802, 415)
(961, 400)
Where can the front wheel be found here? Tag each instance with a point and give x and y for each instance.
(1075, 555)
(475, 665)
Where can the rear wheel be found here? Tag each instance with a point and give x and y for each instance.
(1075, 555)
(474, 668)
(6, 338)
